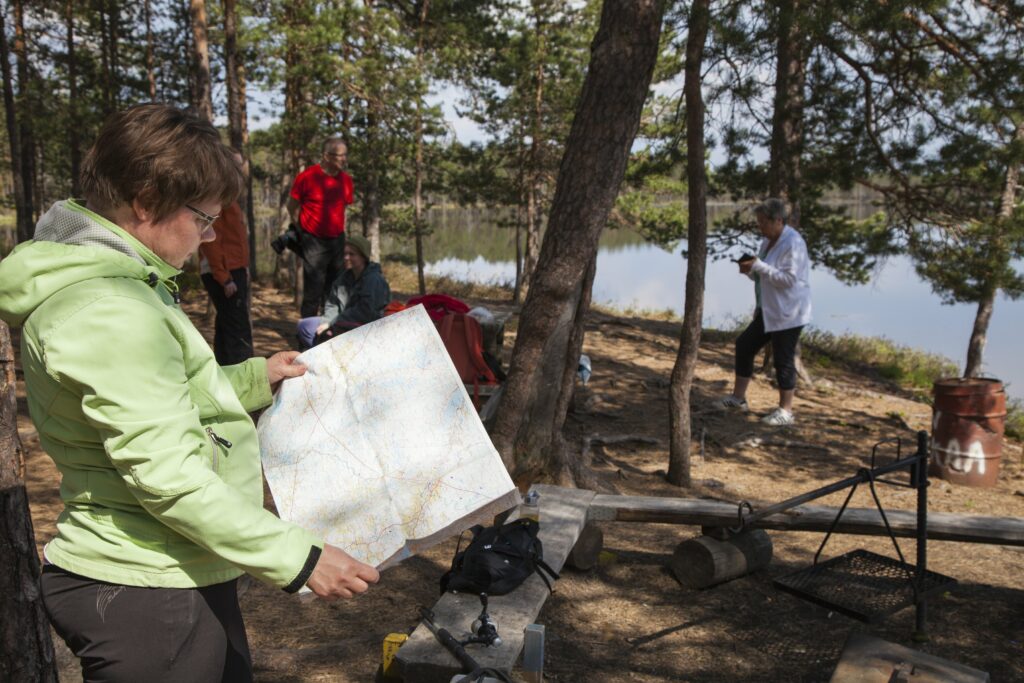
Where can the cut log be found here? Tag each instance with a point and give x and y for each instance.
(704, 561)
(942, 526)
(588, 546)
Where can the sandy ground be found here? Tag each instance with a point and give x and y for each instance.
(629, 619)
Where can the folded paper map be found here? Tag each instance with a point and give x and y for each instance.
(377, 448)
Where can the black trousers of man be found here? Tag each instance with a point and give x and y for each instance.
(322, 263)
(232, 337)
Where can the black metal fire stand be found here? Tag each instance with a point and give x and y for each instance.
(862, 584)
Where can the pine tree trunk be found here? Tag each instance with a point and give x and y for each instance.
(372, 210)
(373, 174)
(784, 175)
(979, 334)
(418, 196)
(533, 204)
(74, 120)
(696, 250)
(238, 129)
(150, 69)
(202, 98)
(23, 207)
(292, 149)
(106, 80)
(532, 249)
(114, 25)
(26, 650)
(250, 203)
(26, 134)
(517, 291)
(528, 427)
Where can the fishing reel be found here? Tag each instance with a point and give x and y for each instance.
(484, 629)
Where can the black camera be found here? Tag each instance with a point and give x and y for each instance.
(289, 239)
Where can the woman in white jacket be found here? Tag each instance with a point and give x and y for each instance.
(781, 274)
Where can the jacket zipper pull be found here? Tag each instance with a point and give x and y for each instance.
(219, 439)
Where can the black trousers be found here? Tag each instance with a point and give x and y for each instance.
(232, 337)
(127, 634)
(784, 342)
(322, 262)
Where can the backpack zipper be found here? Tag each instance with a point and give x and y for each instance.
(216, 441)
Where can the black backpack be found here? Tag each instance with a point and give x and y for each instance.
(498, 559)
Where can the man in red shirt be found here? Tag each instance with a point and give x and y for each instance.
(317, 206)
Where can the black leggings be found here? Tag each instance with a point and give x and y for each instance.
(126, 634)
(783, 342)
(232, 337)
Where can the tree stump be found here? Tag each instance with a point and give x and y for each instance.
(704, 561)
(584, 554)
(26, 651)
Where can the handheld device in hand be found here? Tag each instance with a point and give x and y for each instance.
(745, 257)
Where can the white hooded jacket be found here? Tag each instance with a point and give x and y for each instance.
(785, 282)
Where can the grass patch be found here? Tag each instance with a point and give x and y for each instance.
(901, 364)
(634, 311)
(1015, 419)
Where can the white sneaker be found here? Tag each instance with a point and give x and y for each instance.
(730, 402)
(779, 418)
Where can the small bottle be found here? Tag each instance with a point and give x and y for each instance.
(530, 508)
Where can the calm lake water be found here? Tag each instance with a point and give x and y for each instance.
(632, 273)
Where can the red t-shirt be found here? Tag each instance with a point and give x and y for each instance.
(323, 199)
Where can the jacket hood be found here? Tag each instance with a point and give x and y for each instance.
(71, 245)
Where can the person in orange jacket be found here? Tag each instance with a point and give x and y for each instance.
(228, 284)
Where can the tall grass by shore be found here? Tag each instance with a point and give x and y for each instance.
(904, 365)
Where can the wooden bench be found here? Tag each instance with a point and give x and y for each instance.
(422, 659)
(566, 513)
(942, 526)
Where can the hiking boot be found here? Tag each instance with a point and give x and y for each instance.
(730, 402)
(779, 417)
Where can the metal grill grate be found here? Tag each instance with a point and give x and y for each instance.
(860, 584)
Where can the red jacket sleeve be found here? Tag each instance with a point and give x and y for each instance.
(215, 256)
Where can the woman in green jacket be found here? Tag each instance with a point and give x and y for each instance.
(162, 489)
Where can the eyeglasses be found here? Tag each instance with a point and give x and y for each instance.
(206, 220)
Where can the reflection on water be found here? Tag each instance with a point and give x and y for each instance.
(634, 274)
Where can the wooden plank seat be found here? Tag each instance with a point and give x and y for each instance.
(422, 659)
(942, 526)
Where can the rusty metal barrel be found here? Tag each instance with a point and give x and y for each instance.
(968, 418)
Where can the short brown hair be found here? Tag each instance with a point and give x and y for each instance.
(162, 156)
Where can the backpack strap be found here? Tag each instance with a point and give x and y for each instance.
(446, 326)
(541, 564)
(475, 346)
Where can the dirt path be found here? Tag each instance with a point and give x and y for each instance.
(629, 620)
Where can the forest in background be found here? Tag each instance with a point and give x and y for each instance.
(918, 102)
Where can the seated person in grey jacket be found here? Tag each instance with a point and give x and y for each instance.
(358, 296)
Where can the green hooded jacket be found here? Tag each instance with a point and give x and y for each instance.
(162, 481)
